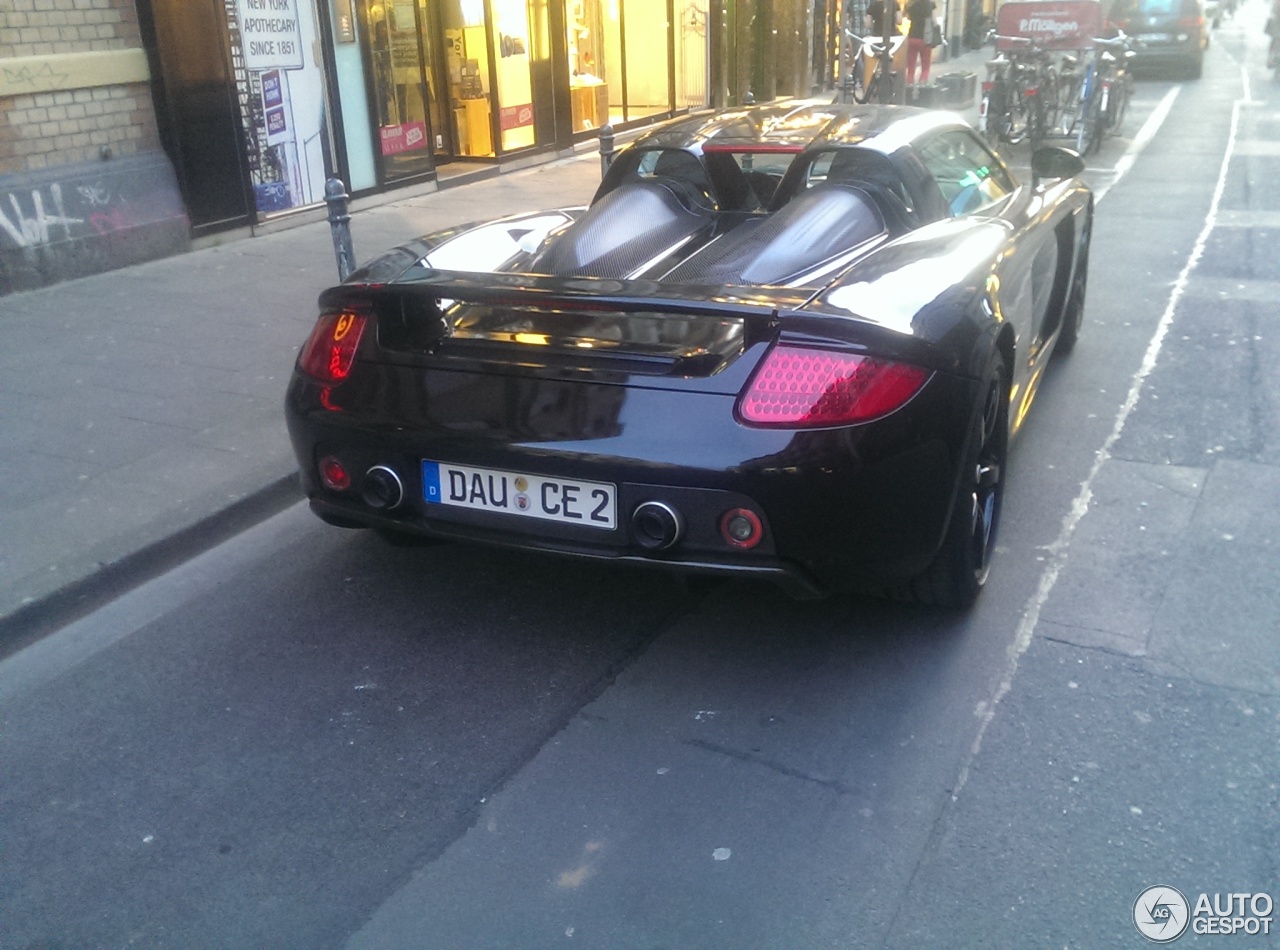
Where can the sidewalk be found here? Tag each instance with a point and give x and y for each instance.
(141, 409)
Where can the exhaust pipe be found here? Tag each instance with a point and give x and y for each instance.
(656, 526)
(381, 488)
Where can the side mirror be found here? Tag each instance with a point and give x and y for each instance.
(1055, 163)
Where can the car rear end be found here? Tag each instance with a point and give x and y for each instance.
(1166, 34)
(602, 422)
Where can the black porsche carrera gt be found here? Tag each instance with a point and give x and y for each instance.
(788, 342)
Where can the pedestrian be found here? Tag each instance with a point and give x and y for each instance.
(875, 17)
(1273, 31)
(920, 39)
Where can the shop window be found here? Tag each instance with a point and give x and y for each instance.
(515, 88)
(467, 64)
(404, 141)
(281, 88)
(619, 60)
(588, 88)
(647, 29)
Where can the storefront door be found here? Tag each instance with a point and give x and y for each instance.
(467, 77)
(407, 116)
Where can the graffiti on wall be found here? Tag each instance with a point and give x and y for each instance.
(88, 219)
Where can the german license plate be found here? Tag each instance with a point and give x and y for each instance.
(1158, 38)
(565, 500)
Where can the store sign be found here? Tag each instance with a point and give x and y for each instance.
(403, 138)
(1049, 24)
(270, 35)
(272, 91)
(275, 106)
(515, 117)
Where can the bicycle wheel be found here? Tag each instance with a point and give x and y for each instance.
(859, 87)
(1050, 106)
(1019, 123)
(1119, 103)
(993, 118)
(1087, 126)
(1068, 96)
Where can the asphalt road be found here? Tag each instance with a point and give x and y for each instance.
(305, 738)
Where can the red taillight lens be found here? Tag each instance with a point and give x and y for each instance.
(333, 474)
(331, 348)
(799, 388)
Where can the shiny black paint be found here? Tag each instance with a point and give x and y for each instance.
(598, 398)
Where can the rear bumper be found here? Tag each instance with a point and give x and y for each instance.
(792, 578)
(849, 508)
(1154, 54)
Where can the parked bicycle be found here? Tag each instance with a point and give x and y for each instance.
(1020, 96)
(881, 84)
(1001, 115)
(1101, 93)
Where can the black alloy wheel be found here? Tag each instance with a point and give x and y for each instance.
(1073, 313)
(959, 572)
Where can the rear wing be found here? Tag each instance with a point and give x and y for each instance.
(637, 326)
(534, 290)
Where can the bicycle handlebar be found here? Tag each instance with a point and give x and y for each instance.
(1122, 39)
(875, 42)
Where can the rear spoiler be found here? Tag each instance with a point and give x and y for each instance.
(577, 293)
(637, 326)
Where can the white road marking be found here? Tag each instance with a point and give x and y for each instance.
(1057, 551)
(1144, 136)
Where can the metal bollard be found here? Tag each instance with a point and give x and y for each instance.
(606, 149)
(335, 196)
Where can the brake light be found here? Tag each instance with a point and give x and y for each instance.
(331, 348)
(800, 388)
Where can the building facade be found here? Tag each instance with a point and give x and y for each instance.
(249, 106)
(84, 183)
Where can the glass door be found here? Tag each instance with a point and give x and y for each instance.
(511, 42)
(466, 56)
(400, 90)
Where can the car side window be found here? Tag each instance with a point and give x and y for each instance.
(970, 177)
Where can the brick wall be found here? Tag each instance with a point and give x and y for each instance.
(63, 126)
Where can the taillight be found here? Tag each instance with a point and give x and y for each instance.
(331, 348)
(801, 388)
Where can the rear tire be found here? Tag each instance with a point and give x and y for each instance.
(959, 572)
(1073, 313)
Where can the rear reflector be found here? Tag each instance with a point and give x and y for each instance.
(331, 348)
(802, 388)
(333, 474)
(741, 528)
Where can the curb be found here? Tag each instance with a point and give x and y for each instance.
(77, 599)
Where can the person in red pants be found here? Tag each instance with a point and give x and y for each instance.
(920, 42)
